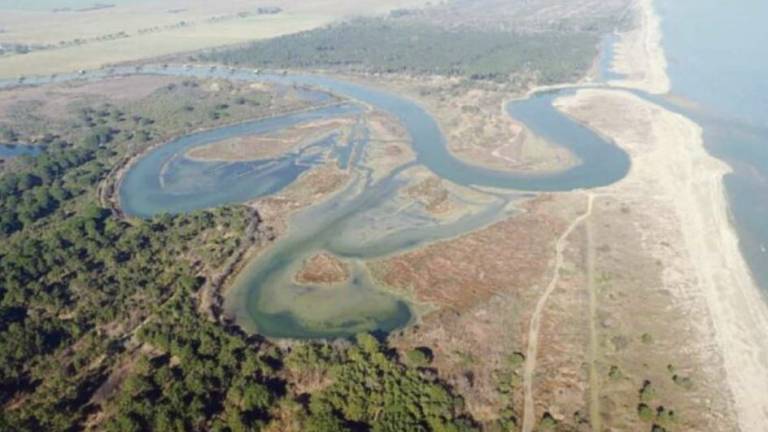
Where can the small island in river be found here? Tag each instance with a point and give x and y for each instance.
(323, 269)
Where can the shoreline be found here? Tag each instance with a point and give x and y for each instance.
(397, 86)
(673, 169)
(108, 190)
(737, 307)
(639, 54)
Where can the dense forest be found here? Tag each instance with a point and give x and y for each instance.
(101, 326)
(384, 45)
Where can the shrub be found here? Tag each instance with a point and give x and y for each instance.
(684, 382)
(419, 357)
(547, 422)
(645, 412)
(615, 373)
(516, 360)
(647, 392)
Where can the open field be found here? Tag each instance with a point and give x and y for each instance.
(132, 31)
(167, 105)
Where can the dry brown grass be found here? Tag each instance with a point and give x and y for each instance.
(324, 269)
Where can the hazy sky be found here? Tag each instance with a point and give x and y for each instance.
(52, 4)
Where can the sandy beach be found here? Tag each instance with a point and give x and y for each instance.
(691, 179)
(673, 172)
(638, 54)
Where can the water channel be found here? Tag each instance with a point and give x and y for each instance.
(357, 223)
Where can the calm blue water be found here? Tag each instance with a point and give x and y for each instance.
(192, 185)
(265, 298)
(165, 181)
(602, 162)
(718, 60)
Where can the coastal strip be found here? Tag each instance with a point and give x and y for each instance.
(673, 172)
(638, 54)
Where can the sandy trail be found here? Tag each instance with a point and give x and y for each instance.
(535, 323)
(594, 381)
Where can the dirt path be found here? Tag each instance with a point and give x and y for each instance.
(594, 380)
(533, 329)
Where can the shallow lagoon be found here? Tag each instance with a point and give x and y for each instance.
(265, 298)
(166, 181)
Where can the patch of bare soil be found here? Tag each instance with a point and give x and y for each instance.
(479, 132)
(323, 269)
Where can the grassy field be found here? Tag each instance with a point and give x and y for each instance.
(135, 30)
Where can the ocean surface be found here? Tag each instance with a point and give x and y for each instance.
(718, 65)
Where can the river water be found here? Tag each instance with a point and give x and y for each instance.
(718, 66)
(361, 221)
(358, 223)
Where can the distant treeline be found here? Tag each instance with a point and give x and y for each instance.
(384, 45)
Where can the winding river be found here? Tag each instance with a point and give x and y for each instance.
(357, 223)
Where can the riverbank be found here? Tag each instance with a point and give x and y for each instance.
(639, 54)
(501, 143)
(672, 172)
